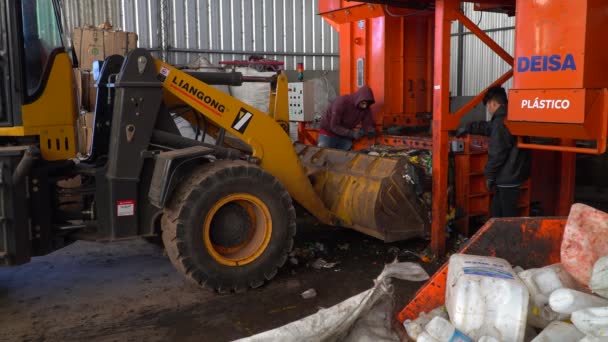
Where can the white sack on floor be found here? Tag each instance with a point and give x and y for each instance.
(364, 317)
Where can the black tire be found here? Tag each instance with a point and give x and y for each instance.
(184, 224)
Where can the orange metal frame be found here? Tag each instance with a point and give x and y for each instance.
(447, 11)
(361, 41)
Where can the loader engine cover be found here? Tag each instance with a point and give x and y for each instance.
(374, 195)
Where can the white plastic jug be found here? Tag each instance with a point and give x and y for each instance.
(541, 282)
(559, 332)
(487, 339)
(443, 331)
(484, 297)
(599, 277)
(590, 338)
(425, 337)
(592, 321)
(517, 270)
(416, 327)
(566, 301)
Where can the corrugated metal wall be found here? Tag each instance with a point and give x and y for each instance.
(481, 66)
(287, 30)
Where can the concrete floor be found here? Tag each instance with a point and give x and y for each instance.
(129, 291)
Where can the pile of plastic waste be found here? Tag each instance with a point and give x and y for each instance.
(489, 300)
(418, 170)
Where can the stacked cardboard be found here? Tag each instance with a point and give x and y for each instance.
(94, 44)
(85, 132)
(87, 92)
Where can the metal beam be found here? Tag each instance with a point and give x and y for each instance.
(444, 14)
(484, 37)
(245, 52)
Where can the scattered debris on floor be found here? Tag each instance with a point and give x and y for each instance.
(321, 263)
(367, 316)
(308, 294)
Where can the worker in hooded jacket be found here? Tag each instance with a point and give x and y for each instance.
(338, 124)
(508, 166)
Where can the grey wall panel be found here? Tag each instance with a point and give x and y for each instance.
(488, 20)
(454, 65)
(287, 30)
(481, 65)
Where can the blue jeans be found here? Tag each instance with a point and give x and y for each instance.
(337, 143)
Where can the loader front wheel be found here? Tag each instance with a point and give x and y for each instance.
(229, 227)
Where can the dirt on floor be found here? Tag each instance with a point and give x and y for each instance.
(129, 291)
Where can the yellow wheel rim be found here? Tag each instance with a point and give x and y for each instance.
(258, 236)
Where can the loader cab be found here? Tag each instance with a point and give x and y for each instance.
(10, 95)
(42, 41)
(38, 87)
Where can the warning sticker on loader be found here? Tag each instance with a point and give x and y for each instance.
(125, 208)
(242, 120)
(164, 73)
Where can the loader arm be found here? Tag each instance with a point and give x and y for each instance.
(270, 144)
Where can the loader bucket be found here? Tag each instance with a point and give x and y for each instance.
(525, 242)
(373, 195)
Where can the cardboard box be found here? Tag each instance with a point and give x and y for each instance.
(87, 92)
(85, 132)
(93, 44)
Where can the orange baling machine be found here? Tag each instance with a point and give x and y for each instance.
(561, 74)
(402, 50)
(390, 50)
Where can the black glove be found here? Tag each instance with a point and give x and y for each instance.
(479, 128)
(462, 131)
(490, 184)
(356, 134)
(371, 134)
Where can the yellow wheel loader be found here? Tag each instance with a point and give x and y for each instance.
(225, 210)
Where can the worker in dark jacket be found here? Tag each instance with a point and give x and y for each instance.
(508, 166)
(343, 115)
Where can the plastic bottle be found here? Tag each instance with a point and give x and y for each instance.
(443, 331)
(416, 327)
(590, 338)
(585, 241)
(592, 321)
(559, 332)
(541, 282)
(487, 339)
(517, 270)
(599, 277)
(484, 297)
(566, 301)
(425, 337)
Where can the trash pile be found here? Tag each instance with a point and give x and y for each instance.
(489, 300)
(418, 171)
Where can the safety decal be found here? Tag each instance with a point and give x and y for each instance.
(164, 73)
(125, 208)
(242, 120)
